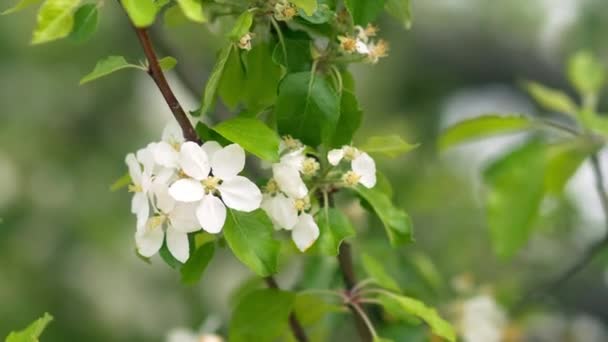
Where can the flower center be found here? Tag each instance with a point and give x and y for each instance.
(210, 184)
(291, 143)
(348, 44)
(310, 166)
(302, 204)
(135, 188)
(350, 153)
(272, 187)
(156, 221)
(351, 178)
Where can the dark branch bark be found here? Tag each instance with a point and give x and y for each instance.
(294, 324)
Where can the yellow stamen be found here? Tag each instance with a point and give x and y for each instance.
(351, 178)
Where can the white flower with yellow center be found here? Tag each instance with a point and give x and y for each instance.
(213, 182)
(141, 182)
(166, 152)
(245, 41)
(363, 167)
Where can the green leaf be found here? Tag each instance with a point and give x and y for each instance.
(515, 191)
(141, 12)
(55, 20)
(250, 236)
(401, 10)
(193, 10)
(85, 23)
(563, 159)
(121, 182)
(107, 66)
(364, 11)
(310, 308)
(586, 73)
(231, 87)
(309, 6)
(22, 4)
(551, 99)
(389, 145)
(262, 78)
(350, 119)
(174, 17)
(298, 57)
(307, 108)
(481, 127)
(334, 228)
(261, 316)
(322, 15)
(376, 271)
(205, 133)
(397, 223)
(167, 63)
(193, 269)
(214, 79)
(32, 332)
(168, 258)
(412, 306)
(241, 26)
(253, 135)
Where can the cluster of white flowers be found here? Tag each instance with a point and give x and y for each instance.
(180, 187)
(482, 320)
(363, 44)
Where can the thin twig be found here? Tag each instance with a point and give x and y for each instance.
(294, 324)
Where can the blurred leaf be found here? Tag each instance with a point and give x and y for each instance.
(250, 236)
(383, 184)
(400, 9)
(586, 73)
(349, 121)
(322, 15)
(141, 12)
(214, 79)
(193, 10)
(594, 121)
(253, 135)
(563, 159)
(55, 20)
(515, 191)
(309, 6)
(389, 145)
(381, 339)
(397, 223)
(307, 108)
(364, 11)
(22, 4)
(311, 309)
(439, 326)
(121, 182)
(174, 17)
(261, 316)
(193, 269)
(167, 63)
(85, 23)
(376, 271)
(334, 228)
(32, 332)
(241, 26)
(107, 66)
(481, 127)
(427, 270)
(262, 78)
(551, 99)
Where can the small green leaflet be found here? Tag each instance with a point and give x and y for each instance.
(563, 159)
(85, 22)
(311, 309)
(193, 269)
(481, 127)
(167, 63)
(55, 20)
(401, 10)
(174, 17)
(20, 6)
(253, 135)
(376, 271)
(141, 12)
(32, 332)
(121, 182)
(551, 99)
(107, 66)
(389, 145)
(586, 73)
(309, 6)
(214, 79)
(241, 26)
(193, 10)
(364, 11)
(334, 228)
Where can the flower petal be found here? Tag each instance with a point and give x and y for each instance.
(228, 161)
(281, 210)
(361, 48)
(210, 147)
(141, 208)
(172, 133)
(294, 159)
(365, 167)
(149, 240)
(335, 156)
(194, 161)
(240, 193)
(177, 243)
(211, 214)
(305, 232)
(187, 190)
(183, 218)
(289, 180)
(134, 168)
(165, 155)
(146, 157)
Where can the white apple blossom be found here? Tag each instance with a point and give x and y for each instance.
(212, 181)
(363, 167)
(141, 183)
(166, 152)
(482, 320)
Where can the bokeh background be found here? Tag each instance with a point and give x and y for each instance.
(66, 241)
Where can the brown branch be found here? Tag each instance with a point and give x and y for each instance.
(294, 324)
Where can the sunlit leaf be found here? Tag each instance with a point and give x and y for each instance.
(22, 4)
(193, 10)
(563, 159)
(389, 145)
(85, 22)
(55, 20)
(551, 99)
(309, 6)
(32, 332)
(142, 12)
(241, 26)
(107, 66)
(167, 63)
(253, 135)
(586, 73)
(483, 126)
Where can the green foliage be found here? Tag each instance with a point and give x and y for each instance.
(261, 79)
(121, 182)
(232, 82)
(241, 26)
(32, 332)
(334, 228)
(253, 135)
(168, 258)
(481, 127)
(55, 20)
(551, 99)
(388, 145)
(107, 66)
(22, 4)
(397, 223)
(193, 269)
(193, 10)
(167, 63)
(364, 11)
(249, 235)
(296, 57)
(308, 6)
(214, 79)
(307, 108)
(85, 23)
(563, 159)
(401, 10)
(310, 308)
(261, 316)
(142, 12)
(586, 73)
(350, 119)
(376, 271)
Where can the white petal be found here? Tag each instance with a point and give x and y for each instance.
(178, 245)
(211, 214)
(240, 193)
(165, 175)
(305, 232)
(172, 133)
(289, 180)
(187, 190)
(281, 210)
(140, 207)
(194, 161)
(365, 167)
(335, 156)
(210, 147)
(183, 218)
(134, 168)
(149, 240)
(361, 48)
(294, 159)
(146, 182)
(228, 161)
(164, 202)
(165, 155)
(146, 157)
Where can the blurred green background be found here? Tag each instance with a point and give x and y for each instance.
(66, 241)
